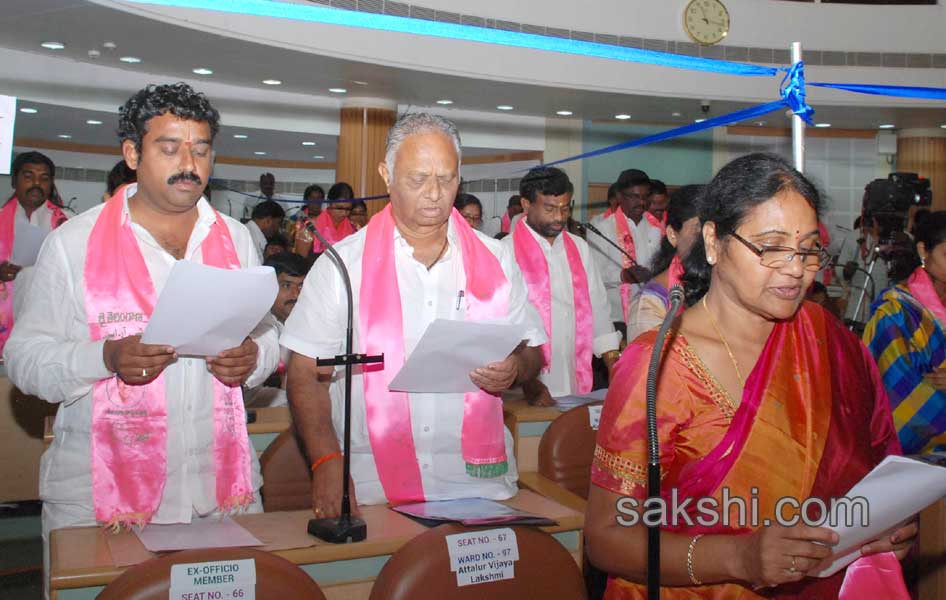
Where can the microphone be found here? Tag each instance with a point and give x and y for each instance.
(345, 527)
(594, 230)
(653, 465)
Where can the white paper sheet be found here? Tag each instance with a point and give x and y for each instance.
(450, 350)
(564, 403)
(7, 118)
(27, 241)
(895, 490)
(209, 532)
(203, 310)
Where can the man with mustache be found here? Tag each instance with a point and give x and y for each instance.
(564, 286)
(33, 179)
(142, 435)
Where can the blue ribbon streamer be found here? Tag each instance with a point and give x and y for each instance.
(902, 91)
(792, 89)
(515, 39)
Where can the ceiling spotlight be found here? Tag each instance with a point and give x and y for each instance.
(445, 102)
(698, 120)
(356, 82)
(64, 136)
(272, 82)
(93, 122)
(564, 113)
(130, 59)
(318, 157)
(676, 114)
(53, 45)
(259, 153)
(203, 71)
(504, 107)
(240, 136)
(338, 90)
(110, 45)
(622, 117)
(886, 126)
(943, 126)
(94, 54)
(308, 143)
(28, 110)
(822, 125)
(760, 123)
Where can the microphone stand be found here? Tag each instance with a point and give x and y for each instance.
(594, 230)
(860, 299)
(344, 528)
(653, 464)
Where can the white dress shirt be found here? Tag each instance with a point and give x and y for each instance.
(41, 218)
(560, 378)
(610, 260)
(316, 328)
(51, 355)
(258, 237)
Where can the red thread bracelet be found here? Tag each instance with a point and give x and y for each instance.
(325, 459)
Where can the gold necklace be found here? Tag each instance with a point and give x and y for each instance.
(723, 340)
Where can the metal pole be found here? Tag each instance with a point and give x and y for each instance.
(798, 125)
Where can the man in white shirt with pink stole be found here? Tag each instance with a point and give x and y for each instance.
(416, 261)
(142, 435)
(564, 286)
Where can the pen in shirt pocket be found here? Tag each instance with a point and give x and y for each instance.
(459, 298)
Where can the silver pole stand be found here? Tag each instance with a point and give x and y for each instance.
(855, 318)
(798, 125)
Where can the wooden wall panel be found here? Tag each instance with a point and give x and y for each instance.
(927, 157)
(360, 149)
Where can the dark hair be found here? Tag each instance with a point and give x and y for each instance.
(267, 176)
(613, 190)
(30, 158)
(120, 174)
(658, 187)
(312, 188)
(359, 204)
(514, 200)
(548, 181)
(277, 239)
(340, 191)
(684, 205)
(737, 188)
(268, 208)
(179, 99)
(466, 200)
(288, 263)
(632, 177)
(817, 288)
(930, 228)
(857, 223)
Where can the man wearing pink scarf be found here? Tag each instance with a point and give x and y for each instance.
(142, 435)
(564, 286)
(416, 261)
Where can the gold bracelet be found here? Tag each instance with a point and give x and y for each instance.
(693, 578)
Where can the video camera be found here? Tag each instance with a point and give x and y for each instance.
(897, 194)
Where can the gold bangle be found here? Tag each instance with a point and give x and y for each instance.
(693, 578)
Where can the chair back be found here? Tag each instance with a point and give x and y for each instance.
(566, 450)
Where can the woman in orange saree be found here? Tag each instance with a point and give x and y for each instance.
(806, 417)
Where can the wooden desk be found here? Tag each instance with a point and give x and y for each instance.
(21, 441)
(931, 553)
(82, 563)
(527, 424)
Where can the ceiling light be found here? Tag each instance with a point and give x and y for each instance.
(504, 107)
(94, 54)
(259, 153)
(318, 157)
(29, 111)
(309, 144)
(338, 90)
(130, 59)
(203, 71)
(240, 136)
(445, 102)
(943, 126)
(698, 120)
(822, 125)
(622, 117)
(676, 114)
(356, 82)
(886, 126)
(110, 45)
(760, 123)
(65, 136)
(564, 113)
(272, 82)
(93, 122)
(53, 45)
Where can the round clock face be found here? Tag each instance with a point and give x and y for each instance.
(706, 21)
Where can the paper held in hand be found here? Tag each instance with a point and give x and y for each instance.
(893, 492)
(27, 241)
(450, 350)
(203, 310)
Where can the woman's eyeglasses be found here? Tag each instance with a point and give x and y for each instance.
(776, 257)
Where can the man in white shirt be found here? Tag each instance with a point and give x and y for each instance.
(267, 217)
(547, 257)
(166, 134)
(423, 247)
(633, 191)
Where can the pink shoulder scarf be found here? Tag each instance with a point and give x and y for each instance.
(332, 233)
(381, 330)
(7, 235)
(129, 422)
(626, 239)
(535, 270)
(921, 286)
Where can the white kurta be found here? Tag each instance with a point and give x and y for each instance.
(560, 378)
(316, 328)
(41, 218)
(610, 260)
(51, 355)
(258, 237)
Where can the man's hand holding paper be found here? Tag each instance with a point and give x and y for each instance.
(233, 366)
